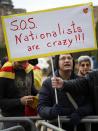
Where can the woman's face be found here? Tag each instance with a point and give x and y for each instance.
(65, 62)
(84, 67)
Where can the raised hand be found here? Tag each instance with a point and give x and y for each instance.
(57, 82)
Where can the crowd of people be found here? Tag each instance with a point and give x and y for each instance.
(24, 91)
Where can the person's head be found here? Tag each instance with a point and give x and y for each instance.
(33, 62)
(64, 62)
(20, 64)
(84, 65)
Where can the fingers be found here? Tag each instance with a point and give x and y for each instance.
(29, 102)
(26, 100)
(54, 82)
(57, 82)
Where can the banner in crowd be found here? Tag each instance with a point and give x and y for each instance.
(49, 32)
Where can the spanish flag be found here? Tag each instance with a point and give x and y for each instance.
(37, 77)
(7, 71)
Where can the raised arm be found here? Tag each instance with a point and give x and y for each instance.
(77, 86)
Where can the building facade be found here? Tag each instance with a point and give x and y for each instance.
(7, 8)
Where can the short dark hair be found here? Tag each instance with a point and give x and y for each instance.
(56, 61)
(33, 61)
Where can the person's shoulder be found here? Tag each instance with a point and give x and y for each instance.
(7, 64)
(92, 74)
(46, 85)
(47, 80)
(94, 71)
(7, 71)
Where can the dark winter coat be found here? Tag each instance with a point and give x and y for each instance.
(12, 88)
(85, 86)
(46, 106)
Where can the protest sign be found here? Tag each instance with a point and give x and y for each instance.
(49, 32)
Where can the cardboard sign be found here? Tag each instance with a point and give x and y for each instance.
(49, 32)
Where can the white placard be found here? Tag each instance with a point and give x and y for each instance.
(49, 32)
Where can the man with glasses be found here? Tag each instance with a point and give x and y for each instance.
(68, 103)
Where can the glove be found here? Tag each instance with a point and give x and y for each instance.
(75, 119)
(85, 110)
(57, 110)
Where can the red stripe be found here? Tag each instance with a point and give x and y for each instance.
(6, 69)
(36, 67)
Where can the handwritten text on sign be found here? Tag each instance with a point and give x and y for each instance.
(50, 32)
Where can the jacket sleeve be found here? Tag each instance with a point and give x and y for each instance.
(45, 100)
(80, 85)
(7, 96)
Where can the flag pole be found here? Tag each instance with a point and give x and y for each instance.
(59, 124)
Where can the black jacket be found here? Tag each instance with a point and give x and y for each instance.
(10, 94)
(47, 100)
(85, 86)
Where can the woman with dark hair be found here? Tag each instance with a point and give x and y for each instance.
(68, 103)
(57, 66)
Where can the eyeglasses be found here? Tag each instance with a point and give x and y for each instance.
(83, 65)
(65, 58)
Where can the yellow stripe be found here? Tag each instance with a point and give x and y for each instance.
(9, 75)
(29, 68)
(7, 64)
(37, 78)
